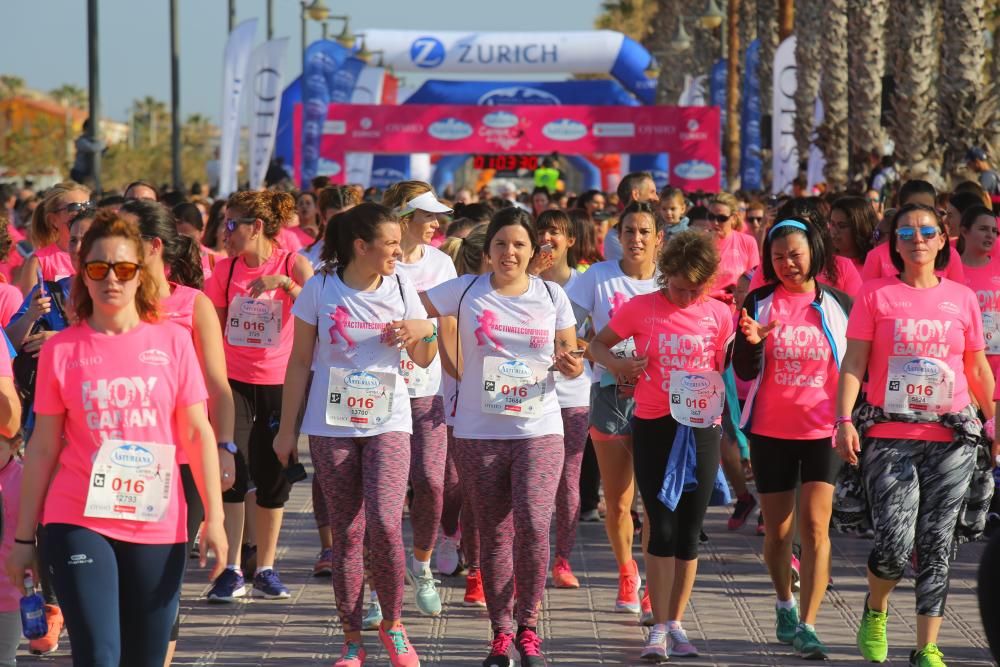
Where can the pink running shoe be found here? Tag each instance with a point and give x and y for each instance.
(352, 655)
(397, 645)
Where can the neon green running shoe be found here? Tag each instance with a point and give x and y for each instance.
(807, 644)
(784, 626)
(928, 656)
(872, 641)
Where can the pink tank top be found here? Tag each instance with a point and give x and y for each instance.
(179, 306)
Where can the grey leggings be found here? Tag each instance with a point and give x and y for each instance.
(915, 489)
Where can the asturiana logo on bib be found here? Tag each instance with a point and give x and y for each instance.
(565, 129)
(694, 170)
(254, 308)
(500, 120)
(948, 307)
(922, 368)
(361, 380)
(694, 383)
(132, 456)
(154, 357)
(518, 95)
(515, 369)
(450, 129)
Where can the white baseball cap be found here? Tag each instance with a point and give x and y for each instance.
(425, 202)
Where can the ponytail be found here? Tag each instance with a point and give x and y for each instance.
(184, 260)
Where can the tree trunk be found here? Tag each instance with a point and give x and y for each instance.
(786, 19)
(733, 54)
(961, 90)
(866, 21)
(808, 48)
(832, 136)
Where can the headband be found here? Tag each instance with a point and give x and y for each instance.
(801, 226)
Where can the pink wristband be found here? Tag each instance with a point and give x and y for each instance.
(841, 420)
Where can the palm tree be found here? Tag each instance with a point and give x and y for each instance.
(70, 95)
(151, 120)
(832, 134)
(808, 62)
(767, 33)
(866, 21)
(631, 17)
(10, 85)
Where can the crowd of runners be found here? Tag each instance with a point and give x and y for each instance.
(489, 363)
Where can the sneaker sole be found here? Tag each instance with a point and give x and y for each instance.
(323, 573)
(563, 584)
(628, 608)
(654, 658)
(687, 654)
(647, 620)
(238, 593)
(49, 652)
(413, 582)
(474, 603)
(257, 593)
(813, 655)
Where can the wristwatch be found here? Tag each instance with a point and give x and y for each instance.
(229, 447)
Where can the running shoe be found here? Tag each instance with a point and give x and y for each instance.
(475, 596)
(228, 586)
(49, 642)
(655, 649)
(702, 537)
(500, 650)
(562, 575)
(807, 644)
(872, 640)
(590, 516)
(324, 564)
(795, 574)
(352, 655)
(760, 524)
(929, 656)
(447, 556)
(786, 623)
(636, 524)
(680, 646)
(397, 645)
(195, 553)
(268, 585)
(745, 505)
(529, 648)
(646, 608)
(425, 591)
(628, 588)
(373, 617)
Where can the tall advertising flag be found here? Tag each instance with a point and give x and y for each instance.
(266, 82)
(750, 163)
(234, 75)
(785, 164)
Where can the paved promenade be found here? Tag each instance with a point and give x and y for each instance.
(731, 619)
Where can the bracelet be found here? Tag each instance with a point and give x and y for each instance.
(841, 420)
(288, 284)
(433, 336)
(27, 542)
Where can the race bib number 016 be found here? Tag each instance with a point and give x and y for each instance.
(416, 378)
(130, 480)
(991, 331)
(254, 322)
(696, 398)
(919, 386)
(359, 399)
(513, 387)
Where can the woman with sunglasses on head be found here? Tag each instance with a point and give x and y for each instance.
(50, 234)
(977, 243)
(514, 331)
(253, 291)
(737, 252)
(852, 223)
(97, 492)
(681, 340)
(790, 344)
(919, 337)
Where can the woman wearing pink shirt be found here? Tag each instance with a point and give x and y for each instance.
(790, 344)
(977, 242)
(117, 394)
(737, 252)
(681, 340)
(852, 222)
(919, 337)
(50, 234)
(253, 291)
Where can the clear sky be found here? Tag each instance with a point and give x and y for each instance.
(45, 41)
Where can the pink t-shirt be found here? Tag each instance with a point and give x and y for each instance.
(179, 306)
(253, 365)
(941, 323)
(10, 302)
(126, 387)
(799, 387)
(289, 240)
(7, 267)
(55, 263)
(985, 282)
(737, 254)
(848, 280)
(10, 483)
(879, 265)
(686, 339)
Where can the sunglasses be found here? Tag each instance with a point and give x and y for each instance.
(755, 218)
(718, 219)
(76, 207)
(908, 234)
(98, 270)
(231, 223)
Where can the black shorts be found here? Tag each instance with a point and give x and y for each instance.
(779, 464)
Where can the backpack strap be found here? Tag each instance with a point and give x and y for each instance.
(229, 280)
(458, 341)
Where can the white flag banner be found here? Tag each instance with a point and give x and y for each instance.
(234, 72)
(266, 78)
(785, 161)
(817, 161)
(694, 91)
(367, 90)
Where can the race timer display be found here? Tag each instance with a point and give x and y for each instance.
(505, 162)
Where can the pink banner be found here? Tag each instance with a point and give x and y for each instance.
(689, 135)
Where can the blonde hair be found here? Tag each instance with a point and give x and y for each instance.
(467, 253)
(43, 233)
(690, 255)
(726, 199)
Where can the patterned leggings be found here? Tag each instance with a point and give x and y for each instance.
(513, 484)
(915, 489)
(429, 452)
(575, 421)
(456, 511)
(363, 484)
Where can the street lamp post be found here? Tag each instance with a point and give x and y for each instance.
(270, 19)
(232, 15)
(175, 99)
(94, 89)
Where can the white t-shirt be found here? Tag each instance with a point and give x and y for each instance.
(432, 269)
(312, 253)
(601, 290)
(351, 330)
(518, 328)
(574, 392)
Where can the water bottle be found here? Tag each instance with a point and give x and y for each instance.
(33, 622)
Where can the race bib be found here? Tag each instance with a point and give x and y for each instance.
(919, 386)
(416, 378)
(359, 399)
(625, 349)
(991, 331)
(130, 480)
(254, 322)
(513, 387)
(696, 399)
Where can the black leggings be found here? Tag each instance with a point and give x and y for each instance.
(195, 515)
(673, 534)
(119, 599)
(258, 406)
